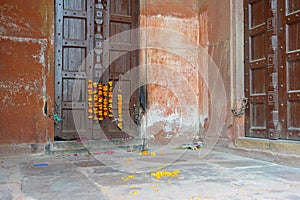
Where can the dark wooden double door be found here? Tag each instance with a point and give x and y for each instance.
(81, 27)
(272, 68)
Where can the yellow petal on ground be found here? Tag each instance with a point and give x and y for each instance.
(135, 192)
(153, 153)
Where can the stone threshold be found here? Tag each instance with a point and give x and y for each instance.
(281, 152)
(282, 146)
(71, 146)
(94, 145)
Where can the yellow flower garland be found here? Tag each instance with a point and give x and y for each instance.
(120, 107)
(100, 100)
(90, 99)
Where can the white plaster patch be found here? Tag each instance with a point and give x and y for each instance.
(24, 39)
(27, 88)
(178, 122)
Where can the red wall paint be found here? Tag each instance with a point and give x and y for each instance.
(26, 71)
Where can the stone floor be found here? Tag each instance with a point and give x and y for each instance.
(119, 174)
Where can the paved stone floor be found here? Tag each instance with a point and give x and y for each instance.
(127, 175)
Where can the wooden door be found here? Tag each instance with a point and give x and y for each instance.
(81, 54)
(272, 70)
(73, 42)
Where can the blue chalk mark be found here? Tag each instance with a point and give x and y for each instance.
(40, 165)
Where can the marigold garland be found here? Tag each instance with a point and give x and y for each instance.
(100, 100)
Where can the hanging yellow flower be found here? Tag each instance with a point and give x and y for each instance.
(100, 100)
(110, 99)
(90, 99)
(105, 101)
(95, 92)
(120, 107)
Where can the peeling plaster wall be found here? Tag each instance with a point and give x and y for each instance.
(207, 23)
(176, 103)
(26, 71)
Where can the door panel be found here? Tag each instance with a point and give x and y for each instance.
(293, 5)
(289, 76)
(257, 46)
(122, 7)
(72, 44)
(272, 68)
(256, 67)
(256, 12)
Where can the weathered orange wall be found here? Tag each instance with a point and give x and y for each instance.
(207, 24)
(26, 71)
(176, 24)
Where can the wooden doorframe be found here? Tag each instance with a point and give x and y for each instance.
(237, 59)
